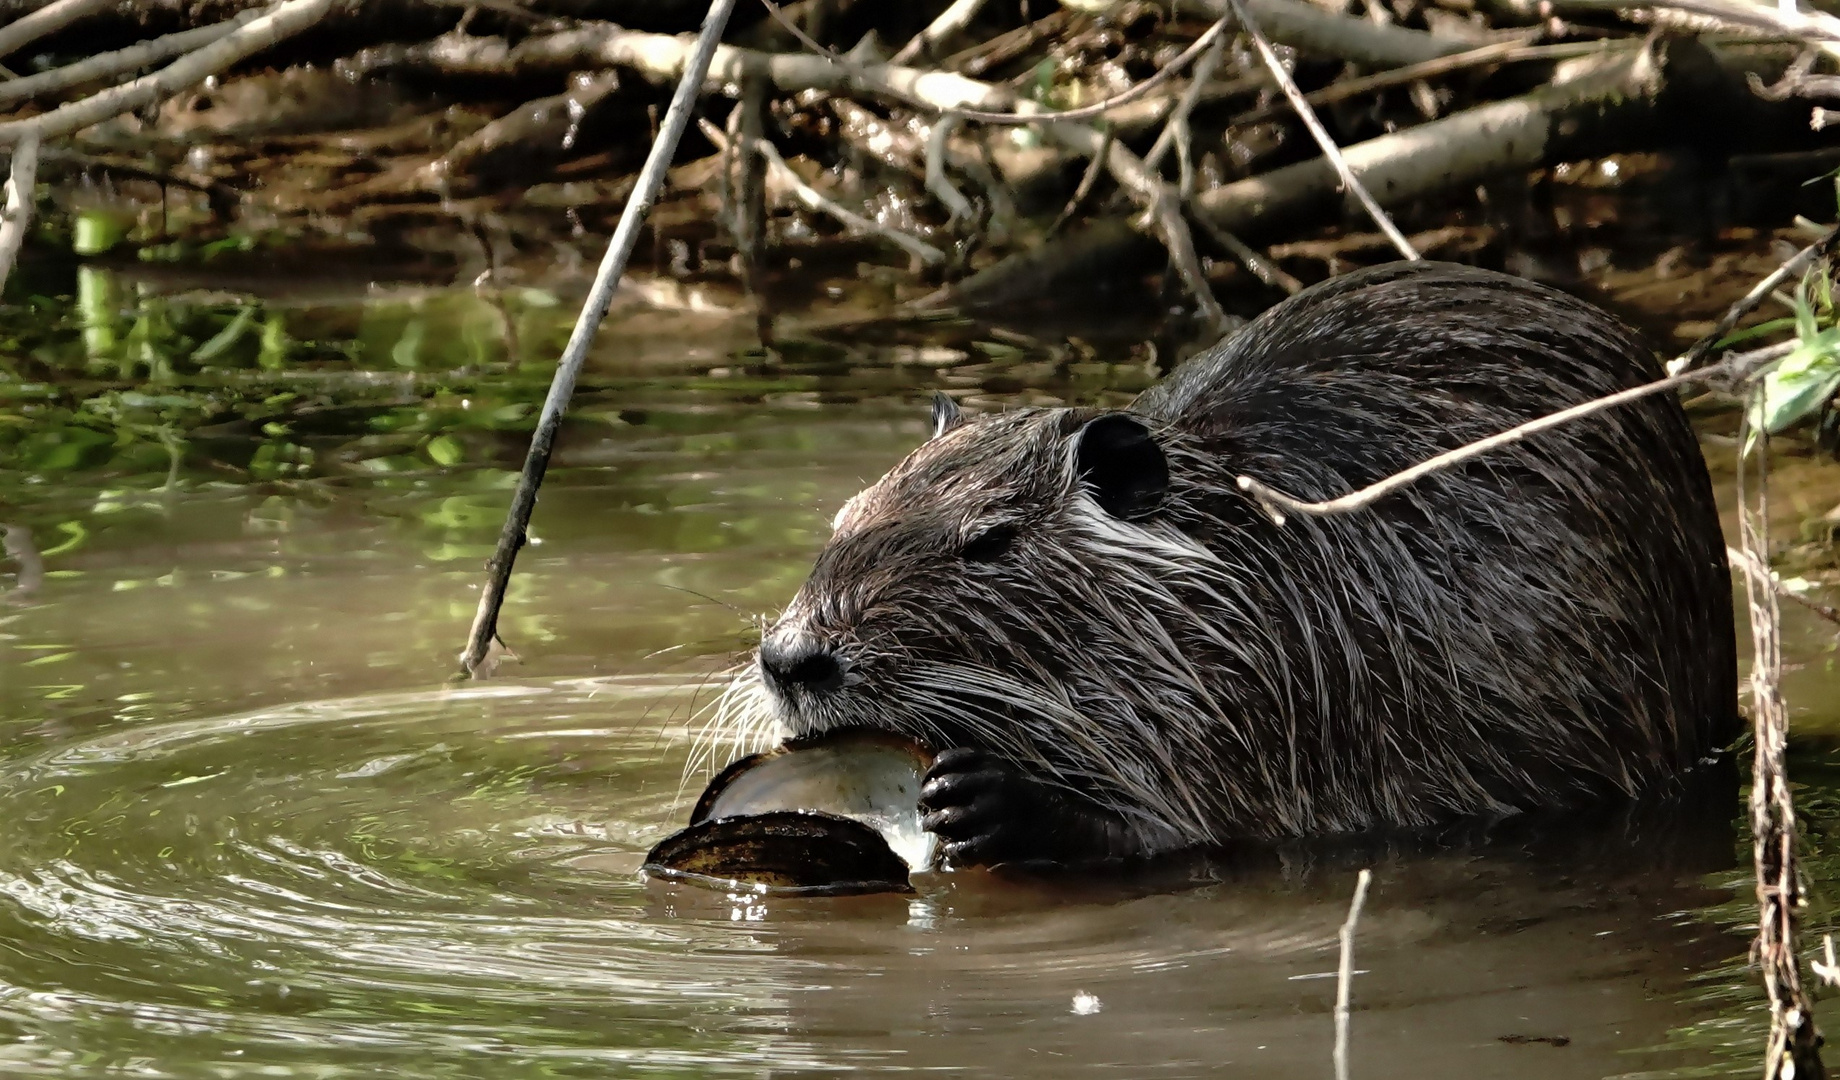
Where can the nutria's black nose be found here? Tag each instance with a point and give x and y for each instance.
(802, 662)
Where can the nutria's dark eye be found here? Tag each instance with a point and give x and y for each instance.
(990, 544)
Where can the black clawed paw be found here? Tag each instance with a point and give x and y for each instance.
(978, 805)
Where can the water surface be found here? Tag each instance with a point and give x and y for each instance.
(251, 831)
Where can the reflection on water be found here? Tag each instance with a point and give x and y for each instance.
(251, 834)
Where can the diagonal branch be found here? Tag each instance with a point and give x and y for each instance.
(283, 22)
(46, 21)
(104, 65)
(1350, 182)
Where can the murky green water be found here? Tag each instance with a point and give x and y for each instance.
(249, 831)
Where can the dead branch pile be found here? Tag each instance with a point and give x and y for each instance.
(1000, 150)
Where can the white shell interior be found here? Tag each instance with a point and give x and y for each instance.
(872, 778)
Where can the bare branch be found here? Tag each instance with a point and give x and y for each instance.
(1788, 20)
(1308, 115)
(1344, 978)
(1462, 148)
(284, 21)
(1088, 179)
(950, 21)
(1161, 206)
(816, 200)
(1176, 127)
(1321, 32)
(936, 180)
(46, 21)
(21, 181)
(1502, 52)
(1262, 268)
(105, 65)
(1276, 503)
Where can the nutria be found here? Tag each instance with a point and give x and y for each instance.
(1119, 653)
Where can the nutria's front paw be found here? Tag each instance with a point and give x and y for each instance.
(980, 807)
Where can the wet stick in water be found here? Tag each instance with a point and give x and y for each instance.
(484, 634)
(1344, 979)
(1794, 1049)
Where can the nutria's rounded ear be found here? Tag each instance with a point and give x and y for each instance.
(945, 414)
(1121, 465)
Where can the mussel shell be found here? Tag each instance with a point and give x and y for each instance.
(835, 814)
(782, 851)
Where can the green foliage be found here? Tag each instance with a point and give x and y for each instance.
(1801, 386)
(118, 380)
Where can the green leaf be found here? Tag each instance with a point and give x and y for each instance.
(226, 337)
(445, 450)
(99, 230)
(1798, 387)
(1787, 322)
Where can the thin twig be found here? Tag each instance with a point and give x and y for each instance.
(950, 21)
(46, 21)
(1794, 1043)
(1176, 127)
(21, 180)
(1344, 980)
(105, 65)
(817, 200)
(1029, 113)
(1832, 615)
(1161, 207)
(189, 70)
(936, 180)
(1262, 268)
(606, 280)
(1087, 179)
(798, 33)
(1501, 52)
(1276, 503)
(1794, 267)
(1321, 134)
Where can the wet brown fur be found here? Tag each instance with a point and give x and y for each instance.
(1544, 626)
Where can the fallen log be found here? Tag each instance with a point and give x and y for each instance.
(1627, 100)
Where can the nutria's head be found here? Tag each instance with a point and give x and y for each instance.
(1005, 587)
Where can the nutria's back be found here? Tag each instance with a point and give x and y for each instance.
(1567, 595)
(1132, 654)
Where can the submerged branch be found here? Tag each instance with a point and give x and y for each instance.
(1344, 976)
